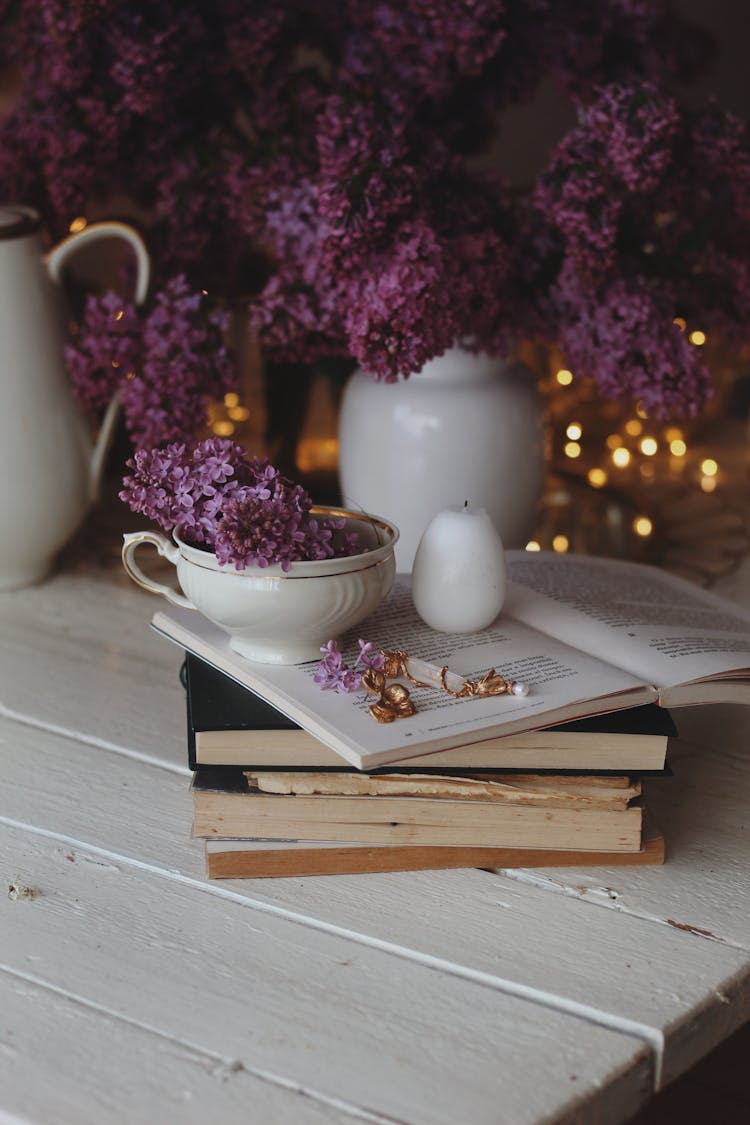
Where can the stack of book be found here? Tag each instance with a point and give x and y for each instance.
(271, 800)
(292, 780)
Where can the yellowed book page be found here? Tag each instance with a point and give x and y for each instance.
(448, 788)
(407, 820)
(650, 623)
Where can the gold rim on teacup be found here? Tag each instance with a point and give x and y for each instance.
(371, 556)
(301, 569)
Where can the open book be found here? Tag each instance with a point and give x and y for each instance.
(227, 725)
(588, 635)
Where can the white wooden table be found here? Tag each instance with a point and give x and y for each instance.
(133, 990)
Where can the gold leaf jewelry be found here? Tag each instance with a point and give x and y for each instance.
(394, 701)
(396, 663)
(491, 683)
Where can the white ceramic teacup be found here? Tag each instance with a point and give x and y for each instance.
(273, 616)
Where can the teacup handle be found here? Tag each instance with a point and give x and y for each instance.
(131, 542)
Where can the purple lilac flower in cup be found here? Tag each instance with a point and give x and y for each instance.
(242, 509)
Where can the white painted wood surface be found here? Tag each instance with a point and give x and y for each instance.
(66, 1059)
(436, 996)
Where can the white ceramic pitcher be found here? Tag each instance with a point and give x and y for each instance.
(49, 468)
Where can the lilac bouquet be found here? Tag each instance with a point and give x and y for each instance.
(317, 164)
(242, 509)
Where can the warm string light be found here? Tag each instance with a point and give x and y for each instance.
(640, 449)
(316, 454)
(225, 413)
(696, 336)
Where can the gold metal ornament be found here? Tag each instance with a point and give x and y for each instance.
(491, 683)
(396, 663)
(394, 703)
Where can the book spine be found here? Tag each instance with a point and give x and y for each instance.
(185, 677)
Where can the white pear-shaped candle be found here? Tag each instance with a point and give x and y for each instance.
(458, 578)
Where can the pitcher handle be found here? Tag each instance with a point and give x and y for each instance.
(59, 255)
(131, 542)
(55, 261)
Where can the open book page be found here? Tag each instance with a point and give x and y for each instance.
(656, 626)
(564, 683)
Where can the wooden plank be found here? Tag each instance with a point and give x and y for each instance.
(64, 1061)
(385, 1034)
(76, 653)
(704, 813)
(657, 977)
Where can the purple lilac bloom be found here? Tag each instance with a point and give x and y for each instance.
(401, 314)
(242, 508)
(167, 361)
(369, 656)
(631, 347)
(182, 488)
(332, 674)
(318, 168)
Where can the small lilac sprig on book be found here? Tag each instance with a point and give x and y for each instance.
(217, 498)
(334, 675)
(372, 669)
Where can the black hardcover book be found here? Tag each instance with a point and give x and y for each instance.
(229, 726)
(217, 703)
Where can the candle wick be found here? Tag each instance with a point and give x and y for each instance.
(466, 503)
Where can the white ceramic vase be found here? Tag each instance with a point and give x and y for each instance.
(465, 428)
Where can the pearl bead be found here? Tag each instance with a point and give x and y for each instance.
(520, 689)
